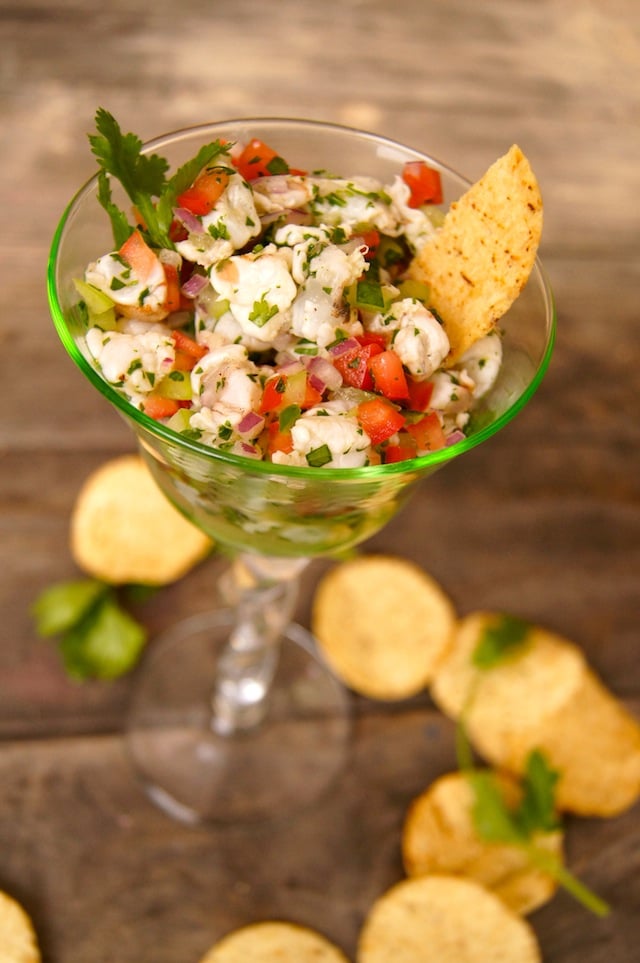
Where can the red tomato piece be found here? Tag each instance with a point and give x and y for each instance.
(187, 345)
(207, 188)
(379, 419)
(272, 399)
(157, 407)
(372, 240)
(173, 300)
(281, 391)
(259, 160)
(427, 433)
(388, 375)
(278, 440)
(401, 452)
(424, 183)
(420, 393)
(372, 337)
(353, 365)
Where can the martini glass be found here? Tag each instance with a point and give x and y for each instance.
(235, 717)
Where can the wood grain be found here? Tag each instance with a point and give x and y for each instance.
(543, 521)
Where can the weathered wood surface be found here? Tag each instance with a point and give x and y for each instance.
(543, 521)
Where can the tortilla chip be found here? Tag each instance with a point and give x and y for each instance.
(274, 942)
(124, 530)
(383, 625)
(444, 919)
(477, 264)
(439, 837)
(18, 943)
(544, 697)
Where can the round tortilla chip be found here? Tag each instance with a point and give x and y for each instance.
(510, 700)
(594, 743)
(545, 697)
(444, 919)
(479, 261)
(382, 624)
(18, 943)
(274, 942)
(124, 530)
(439, 837)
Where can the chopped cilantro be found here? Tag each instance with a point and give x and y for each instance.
(499, 641)
(319, 456)
(288, 416)
(262, 312)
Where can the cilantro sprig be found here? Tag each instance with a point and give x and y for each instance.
(494, 820)
(99, 638)
(143, 177)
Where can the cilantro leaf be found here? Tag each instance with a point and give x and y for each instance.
(499, 641)
(143, 177)
(119, 223)
(120, 154)
(496, 822)
(105, 645)
(99, 639)
(491, 817)
(536, 812)
(64, 604)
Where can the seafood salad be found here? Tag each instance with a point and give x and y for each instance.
(265, 310)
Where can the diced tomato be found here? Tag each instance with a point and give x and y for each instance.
(379, 419)
(401, 452)
(187, 345)
(372, 337)
(259, 160)
(139, 256)
(388, 375)
(420, 393)
(272, 394)
(427, 433)
(278, 440)
(157, 407)
(207, 188)
(424, 183)
(372, 240)
(178, 232)
(173, 300)
(353, 365)
(284, 390)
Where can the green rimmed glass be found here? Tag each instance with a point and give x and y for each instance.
(204, 757)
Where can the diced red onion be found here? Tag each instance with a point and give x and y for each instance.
(349, 344)
(248, 449)
(455, 437)
(250, 423)
(188, 220)
(322, 374)
(195, 284)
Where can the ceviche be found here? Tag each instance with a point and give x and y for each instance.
(266, 310)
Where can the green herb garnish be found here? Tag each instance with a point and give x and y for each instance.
(319, 456)
(499, 641)
(143, 177)
(496, 822)
(98, 638)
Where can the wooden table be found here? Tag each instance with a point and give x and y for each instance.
(543, 521)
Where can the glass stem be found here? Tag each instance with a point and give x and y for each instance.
(263, 592)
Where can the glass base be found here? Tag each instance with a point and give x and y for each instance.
(282, 765)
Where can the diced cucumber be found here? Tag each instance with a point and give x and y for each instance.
(176, 385)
